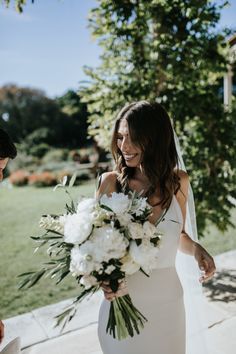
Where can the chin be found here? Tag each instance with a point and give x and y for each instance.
(131, 164)
(134, 163)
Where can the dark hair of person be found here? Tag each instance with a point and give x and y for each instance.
(7, 148)
(150, 129)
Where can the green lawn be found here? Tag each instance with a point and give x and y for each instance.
(20, 210)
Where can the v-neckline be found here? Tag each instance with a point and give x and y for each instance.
(161, 217)
(162, 214)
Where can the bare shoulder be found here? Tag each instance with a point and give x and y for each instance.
(107, 184)
(184, 183)
(184, 177)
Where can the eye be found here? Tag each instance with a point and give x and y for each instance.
(119, 137)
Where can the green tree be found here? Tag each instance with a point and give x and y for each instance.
(169, 51)
(19, 4)
(32, 118)
(24, 110)
(76, 115)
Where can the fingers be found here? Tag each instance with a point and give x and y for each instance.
(1, 331)
(110, 295)
(207, 267)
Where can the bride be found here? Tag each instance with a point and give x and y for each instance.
(146, 158)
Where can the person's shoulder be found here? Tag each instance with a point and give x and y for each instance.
(183, 176)
(107, 182)
(183, 180)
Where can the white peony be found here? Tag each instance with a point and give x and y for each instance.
(109, 242)
(88, 281)
(135, 230)
(86, 205)
(84, 259)
(128, 265)
(77, 228)
(146, 255)
(118, 202)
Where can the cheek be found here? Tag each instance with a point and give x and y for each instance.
(118, 144)
(3, 164)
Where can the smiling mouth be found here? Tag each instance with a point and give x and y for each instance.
(129, 157)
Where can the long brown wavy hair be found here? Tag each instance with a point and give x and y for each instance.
(150, 129)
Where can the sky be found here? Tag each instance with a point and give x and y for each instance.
(47, 46)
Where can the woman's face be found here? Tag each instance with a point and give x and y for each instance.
(131, 153)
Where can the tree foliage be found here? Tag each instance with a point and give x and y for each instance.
(33, 119)
(19, 4)
(76, 115)
(169, 51)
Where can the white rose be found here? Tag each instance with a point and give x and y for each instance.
(99, 215)
(77, 228)
(86, 205)
(119, 203)
(135, 230)
(88, 281)
(149, 230)
(128, 265)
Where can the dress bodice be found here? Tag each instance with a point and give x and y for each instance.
(170, 226)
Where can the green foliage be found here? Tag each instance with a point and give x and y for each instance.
(169, 51)
(76, 114)
(24, 110)
(19, 4)
(23, 161)
(55, 155)
(39, 123)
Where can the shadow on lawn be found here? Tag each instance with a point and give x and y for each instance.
(222, 287)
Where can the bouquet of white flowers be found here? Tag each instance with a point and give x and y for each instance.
(100, 240)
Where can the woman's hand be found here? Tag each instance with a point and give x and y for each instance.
(1, 331)
(109, 294)
(205, 262)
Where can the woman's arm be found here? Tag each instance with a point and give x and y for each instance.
(187, 245)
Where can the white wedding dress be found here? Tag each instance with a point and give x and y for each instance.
(158, 297)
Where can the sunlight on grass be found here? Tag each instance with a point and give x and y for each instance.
(20, 210)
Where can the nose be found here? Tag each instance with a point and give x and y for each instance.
(125, 145)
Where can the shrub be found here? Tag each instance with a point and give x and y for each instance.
(39, 150)
(55, 155)
(44, 179)
(19, 178)
(23, 162)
